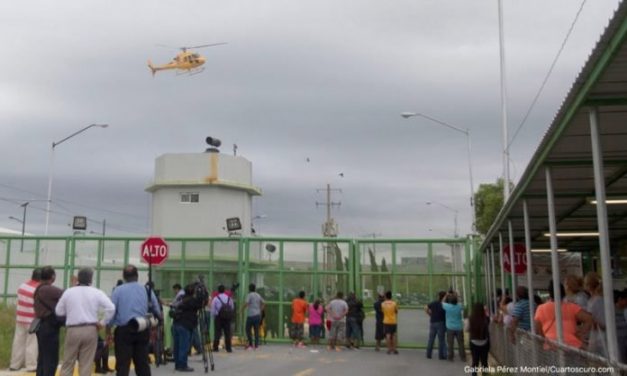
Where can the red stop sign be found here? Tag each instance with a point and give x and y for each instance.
(520, 258)
(154, 251)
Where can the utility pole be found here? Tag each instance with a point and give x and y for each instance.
(329, 230)
(372, 235)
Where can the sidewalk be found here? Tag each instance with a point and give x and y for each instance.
(278, 360)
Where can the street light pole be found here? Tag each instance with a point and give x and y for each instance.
(252, 220)
(506, 191)
(455, 233)
(24, 205)
(54, 144)
(23, 222)
(466, 132)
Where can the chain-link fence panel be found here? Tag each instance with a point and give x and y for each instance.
(528, 354)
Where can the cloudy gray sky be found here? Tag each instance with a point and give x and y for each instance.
(319, 79)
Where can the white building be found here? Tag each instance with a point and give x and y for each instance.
(194, 194)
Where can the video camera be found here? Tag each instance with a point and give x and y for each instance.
(200, 290)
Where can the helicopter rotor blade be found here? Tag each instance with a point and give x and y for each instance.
(205, 45)
(166, 46)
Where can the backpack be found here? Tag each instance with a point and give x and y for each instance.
(175, 313)
(226, 312)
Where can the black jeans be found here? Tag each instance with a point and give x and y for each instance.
(450, 335)
(220, 327)
(479, 355)
(48, 346)
(130, 344)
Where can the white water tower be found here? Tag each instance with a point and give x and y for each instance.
(194, 194)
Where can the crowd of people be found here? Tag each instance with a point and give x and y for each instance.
(583, 314)
(583, 319)
(341, 320)
(43, 308)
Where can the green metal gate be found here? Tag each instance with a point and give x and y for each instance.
(413, 269)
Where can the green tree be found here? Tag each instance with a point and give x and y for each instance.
(488, 203)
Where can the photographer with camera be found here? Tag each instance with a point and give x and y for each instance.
(133, 304)
(185, 321)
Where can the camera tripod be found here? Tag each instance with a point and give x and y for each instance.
(207, 352)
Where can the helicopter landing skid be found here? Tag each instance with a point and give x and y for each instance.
(191, 72)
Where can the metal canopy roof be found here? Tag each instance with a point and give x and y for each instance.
(566, 148)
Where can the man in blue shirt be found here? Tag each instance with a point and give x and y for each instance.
(437, 326)
(131, 301)
(520, 316)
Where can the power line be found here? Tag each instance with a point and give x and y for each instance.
(68, 213)
(76, 203)
(546, 78)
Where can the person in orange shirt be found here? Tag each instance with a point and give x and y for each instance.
(390, 313)
(299, 308)
(572, 316)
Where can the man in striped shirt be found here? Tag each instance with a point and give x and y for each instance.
(24, 350)
(520, 316)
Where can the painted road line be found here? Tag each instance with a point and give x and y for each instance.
(307, 372)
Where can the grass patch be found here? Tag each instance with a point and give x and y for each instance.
(7, 329)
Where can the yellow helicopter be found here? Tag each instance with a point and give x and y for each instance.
(185, 61)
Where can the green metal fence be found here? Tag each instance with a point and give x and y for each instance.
(414, 269)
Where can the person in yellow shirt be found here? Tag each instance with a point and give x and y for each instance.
(390, 313)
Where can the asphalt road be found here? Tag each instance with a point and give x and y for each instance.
(280, 360)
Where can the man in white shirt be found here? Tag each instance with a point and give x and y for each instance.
(81, 305)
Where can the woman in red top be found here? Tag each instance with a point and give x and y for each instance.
(572, 316)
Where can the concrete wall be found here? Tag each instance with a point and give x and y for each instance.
(223, 183)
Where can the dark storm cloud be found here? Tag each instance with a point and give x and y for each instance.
(321, 80)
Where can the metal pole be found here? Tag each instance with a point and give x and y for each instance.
(529, 265)
(485, 257)
(472, 187)
(493, 270)
(102, 246)
(512, 261)
(54, 144)
(50, 169)
(502, 268)
(604, 242)
(24, 205)
(503, 106)
(555, 269)
(466, 131)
